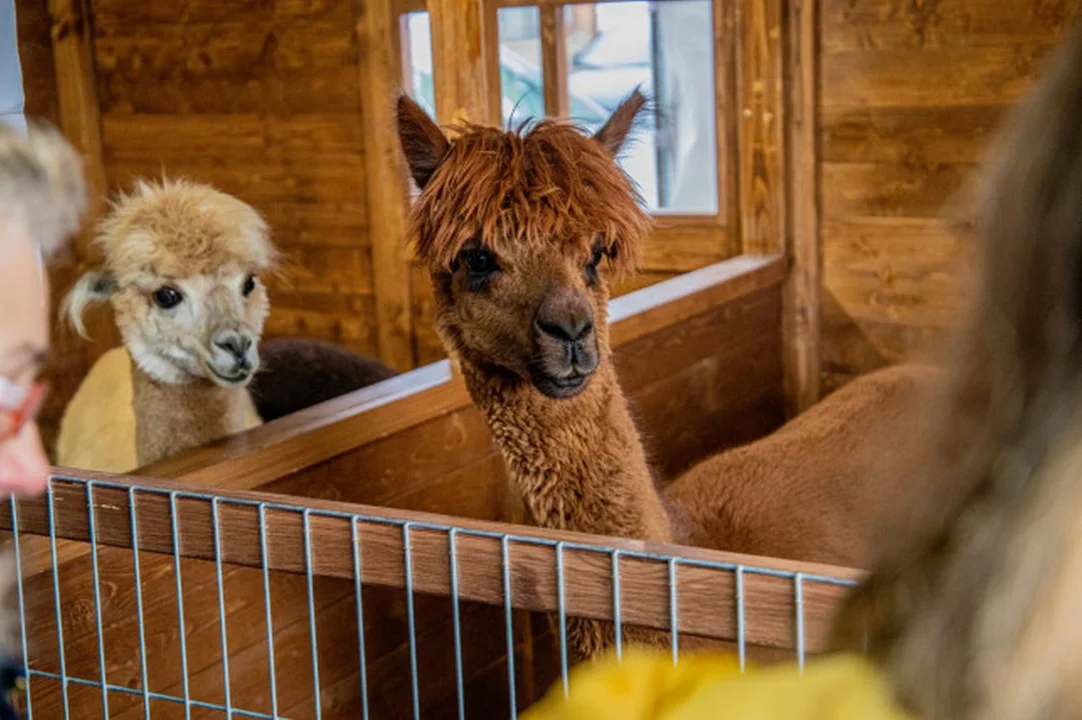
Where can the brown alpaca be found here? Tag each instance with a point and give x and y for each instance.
(513, 228)
(973, 610)
(181, 272)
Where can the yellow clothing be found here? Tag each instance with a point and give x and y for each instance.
(648, 686)
(97, 431)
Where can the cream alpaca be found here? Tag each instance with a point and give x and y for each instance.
(181, 271)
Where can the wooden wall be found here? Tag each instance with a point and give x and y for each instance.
(287, 105)
(910, 95)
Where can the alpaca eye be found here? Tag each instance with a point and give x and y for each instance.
(167, 297)
(249, 285)
(591, 266)
(480, 266)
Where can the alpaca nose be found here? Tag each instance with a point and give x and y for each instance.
(565, 315)
(235, 344)
(568, 329)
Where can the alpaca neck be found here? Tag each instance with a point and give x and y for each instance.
(171, 418)
(578, 462)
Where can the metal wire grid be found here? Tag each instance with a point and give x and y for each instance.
(507, 542)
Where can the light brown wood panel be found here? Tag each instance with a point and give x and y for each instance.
(851, 25)
(909, 136)
(932, 76)
(379, 38)
(761, 106)
(911, 97)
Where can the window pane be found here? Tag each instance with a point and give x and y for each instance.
(418, 40)
(667, 50)
(522, 89)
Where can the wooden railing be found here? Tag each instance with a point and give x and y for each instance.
(445, 573)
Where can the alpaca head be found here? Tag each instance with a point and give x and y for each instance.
(518, 230)
(181, 270)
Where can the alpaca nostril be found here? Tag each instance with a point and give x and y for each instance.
(236, 345)
(570, 330)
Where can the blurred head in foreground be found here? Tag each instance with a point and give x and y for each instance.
(42, 197)
(973, 612)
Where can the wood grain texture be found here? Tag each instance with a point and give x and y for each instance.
(387, 198)
(911, 97)
(554, 60)
(459, 78)
(801, 314)
(264, 101)
(759, 32)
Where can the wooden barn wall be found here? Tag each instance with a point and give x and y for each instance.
(267, 101)
(910, 95)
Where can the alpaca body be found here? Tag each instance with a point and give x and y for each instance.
(119, 419)
(822, 487)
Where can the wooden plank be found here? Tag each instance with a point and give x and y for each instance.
(873, 189)
(727, 119)
(761, 142)
(458, 44)
(554, 61)
(491, 61)
(648, 310)
(279, 65)
(909, 136)
(707, 597)
(676, 245)
(931, 77)
(388, 197)
(800, 321)
(848, 25)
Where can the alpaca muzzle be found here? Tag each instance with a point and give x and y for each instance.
(233, 358)
(565, 345)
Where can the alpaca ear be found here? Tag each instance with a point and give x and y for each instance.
(423, 143)
(93, 286)
(614, 132)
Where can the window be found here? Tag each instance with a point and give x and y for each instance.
(591, 58)
(417, 60)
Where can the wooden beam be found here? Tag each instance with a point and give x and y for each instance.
(458, 52)
(803, 287)
(388, 192)
(554, 60)
(761, 141)
(493, 84)
(80, 121)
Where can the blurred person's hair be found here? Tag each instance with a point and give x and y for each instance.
(42, 188)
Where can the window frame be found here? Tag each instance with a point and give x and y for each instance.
(680, 242)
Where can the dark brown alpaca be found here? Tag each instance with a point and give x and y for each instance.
(514, 227)
(974, 611)
(297, 373)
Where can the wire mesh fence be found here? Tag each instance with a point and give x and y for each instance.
(142, 601)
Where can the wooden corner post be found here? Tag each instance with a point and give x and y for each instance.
(801, 301)
(778, 171)
(388, 189)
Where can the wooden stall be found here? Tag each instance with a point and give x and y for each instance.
(413, 443)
